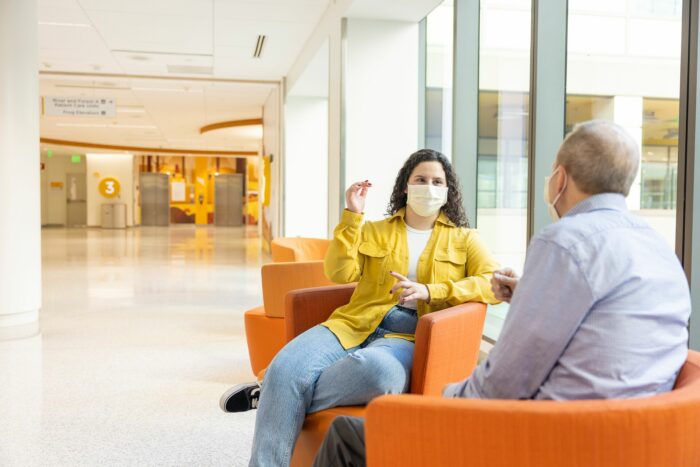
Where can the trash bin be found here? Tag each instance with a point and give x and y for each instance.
(114, 216)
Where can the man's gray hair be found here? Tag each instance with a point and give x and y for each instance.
(601, 157)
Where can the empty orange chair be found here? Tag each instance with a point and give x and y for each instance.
(265, 325)
(446, 350)
(298, 264)
(660, 431)
(288, 249)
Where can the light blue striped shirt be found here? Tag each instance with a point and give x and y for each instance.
(601, 312)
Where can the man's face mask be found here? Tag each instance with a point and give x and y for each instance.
(426, 200)
(551, 206)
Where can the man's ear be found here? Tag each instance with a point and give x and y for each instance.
(562, 178)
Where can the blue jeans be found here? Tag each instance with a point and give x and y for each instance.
(314, 372)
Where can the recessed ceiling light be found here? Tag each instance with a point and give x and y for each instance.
(106, 125)
(191, 69)
(69, 25)
(167, 89)
(78, 86)
(131, 110)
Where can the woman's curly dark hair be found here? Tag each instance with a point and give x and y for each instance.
(453, 208)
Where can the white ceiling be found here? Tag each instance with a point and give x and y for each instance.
(313, 82)
(392, 10)
(145, 36)
(195, 39)
(160, 113)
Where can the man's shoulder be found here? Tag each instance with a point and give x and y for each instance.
(589, 227)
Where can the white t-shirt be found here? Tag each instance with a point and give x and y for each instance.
(417, 240)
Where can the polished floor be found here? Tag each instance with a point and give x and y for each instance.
(141, 331)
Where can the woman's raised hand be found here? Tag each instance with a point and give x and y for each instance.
(355, 196)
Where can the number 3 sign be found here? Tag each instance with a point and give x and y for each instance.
(109, 187)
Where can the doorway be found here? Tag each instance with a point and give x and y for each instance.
(155, 199)
(228, 200)
(76, 200)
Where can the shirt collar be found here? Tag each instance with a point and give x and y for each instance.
(614, 201)
(442, 218)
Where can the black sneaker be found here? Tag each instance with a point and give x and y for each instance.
(240, 398)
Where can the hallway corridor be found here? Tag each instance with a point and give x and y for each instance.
(141, 331)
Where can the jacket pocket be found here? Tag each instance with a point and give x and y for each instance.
(376, 262)
(450, 264)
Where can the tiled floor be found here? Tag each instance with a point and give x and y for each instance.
(142, 330)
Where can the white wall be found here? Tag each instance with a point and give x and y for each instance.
(381, 104)
(53, 200)
(271, 146)
(119, 166)
(306, 166)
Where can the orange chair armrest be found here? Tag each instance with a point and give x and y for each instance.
(447, 347)
(306, 308)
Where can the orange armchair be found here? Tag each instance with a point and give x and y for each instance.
(265, 325)
(289, 249)
(446, 350)
(655, 431)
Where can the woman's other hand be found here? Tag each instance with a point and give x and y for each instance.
(355, 196)
(503, 284)
(411, 290)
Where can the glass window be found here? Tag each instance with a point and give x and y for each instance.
(623, 65)
(504, 83)
(438, 78)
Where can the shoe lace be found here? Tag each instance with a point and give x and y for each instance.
(254, 398)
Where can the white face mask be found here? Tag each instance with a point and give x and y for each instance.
(551, 206)
(426, 200)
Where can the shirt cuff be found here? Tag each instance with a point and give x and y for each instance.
(438, 293)
(451, 390)
(351, 219)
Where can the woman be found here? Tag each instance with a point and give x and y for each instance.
(420, 259)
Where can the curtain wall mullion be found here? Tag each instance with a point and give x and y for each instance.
(422, 72)
(547, 102)
(688, 199)
(465, 100)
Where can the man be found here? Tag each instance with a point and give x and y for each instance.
(602, 309)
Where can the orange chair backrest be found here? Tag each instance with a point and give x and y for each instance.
(280, 278)
(288, 249)
(662, 430)
(658, 431)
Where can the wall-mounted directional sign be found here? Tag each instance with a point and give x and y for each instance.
(64, 106)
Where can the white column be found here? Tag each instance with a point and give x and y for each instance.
(629, 113)
(20, 226)
(336, 171)
(380, 105)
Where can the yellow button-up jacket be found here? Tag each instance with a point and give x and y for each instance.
(455, 266)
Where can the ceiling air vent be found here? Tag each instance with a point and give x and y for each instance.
(259, 46)
(190, 69)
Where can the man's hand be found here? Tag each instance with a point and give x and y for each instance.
(503, 284)
(411, 290)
